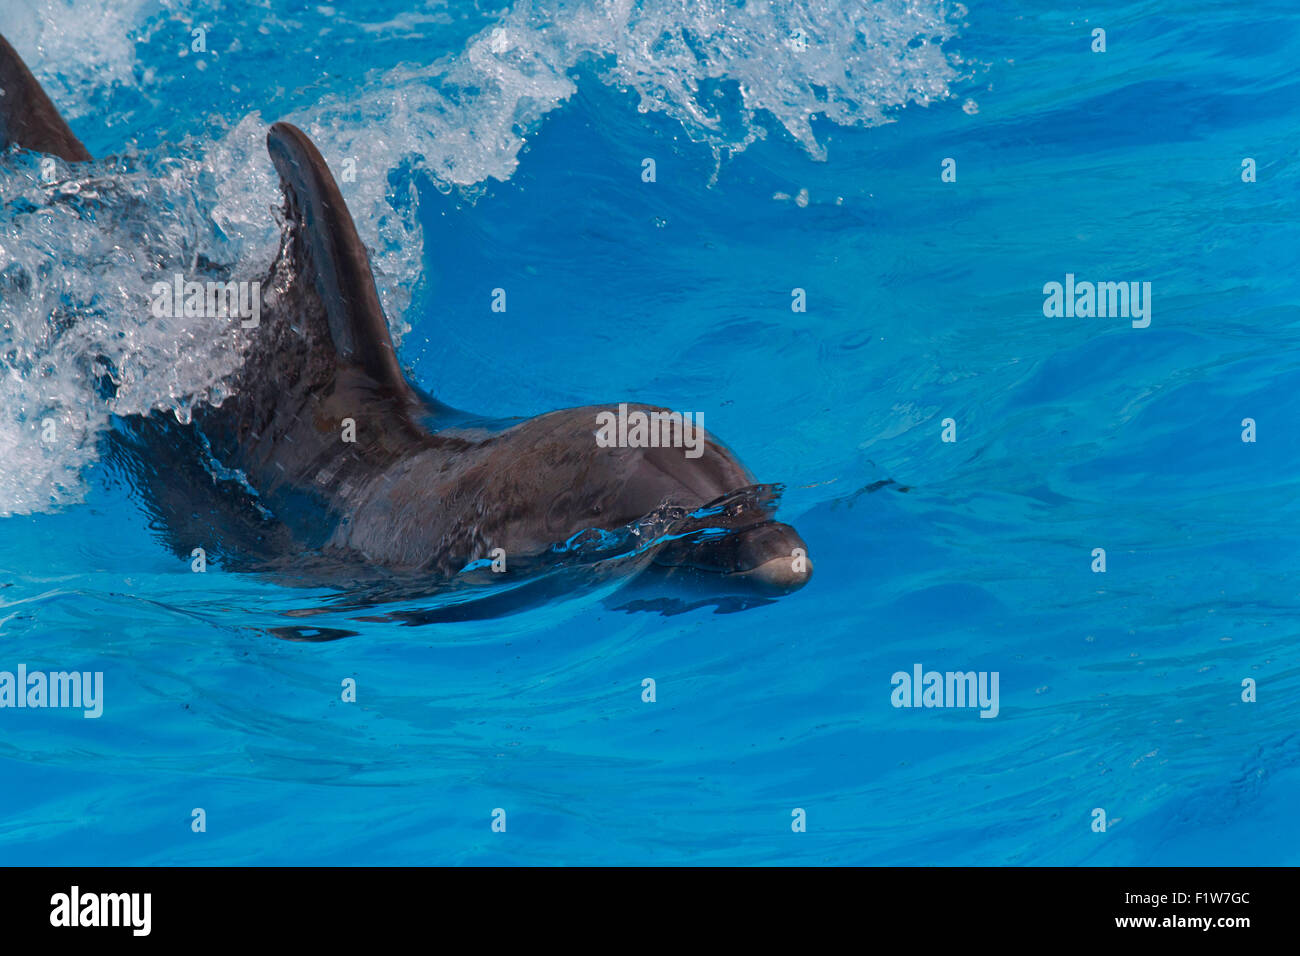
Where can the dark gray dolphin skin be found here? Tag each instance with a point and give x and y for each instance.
(27, 117)
(266, 480)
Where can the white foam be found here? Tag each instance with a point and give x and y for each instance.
(78, 261)
(78, 50)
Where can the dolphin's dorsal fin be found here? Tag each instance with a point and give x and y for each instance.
(27, 117)
(328, 255)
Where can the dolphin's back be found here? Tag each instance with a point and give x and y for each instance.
(319, 411)
(320, 406)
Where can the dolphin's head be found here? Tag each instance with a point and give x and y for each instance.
(728, 535)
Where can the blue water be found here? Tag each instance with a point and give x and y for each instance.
(1119, 691)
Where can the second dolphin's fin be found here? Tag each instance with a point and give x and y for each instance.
(27, 117)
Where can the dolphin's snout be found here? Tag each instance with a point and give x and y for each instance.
(781, 575)
(774, 558)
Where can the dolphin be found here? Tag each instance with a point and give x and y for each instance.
(326, 464)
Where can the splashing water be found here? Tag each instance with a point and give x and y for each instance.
(1120, 691)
